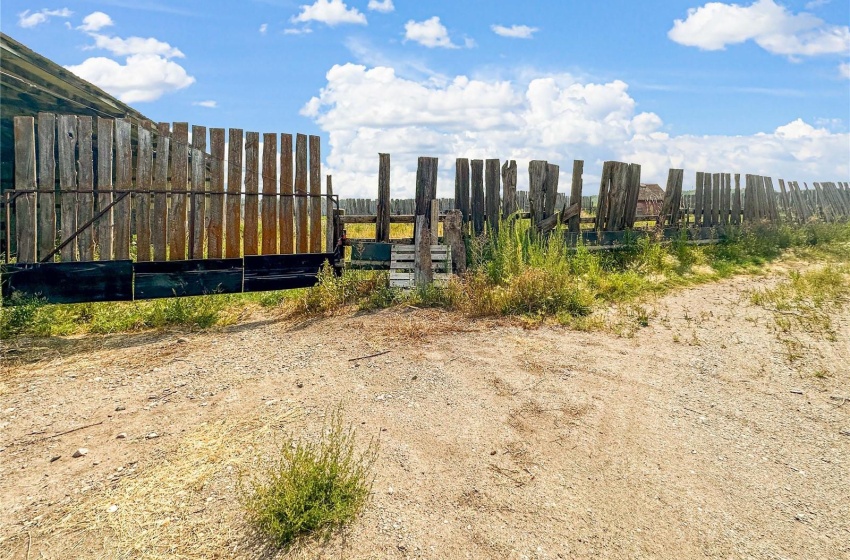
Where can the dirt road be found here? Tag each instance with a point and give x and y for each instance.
(694, 438)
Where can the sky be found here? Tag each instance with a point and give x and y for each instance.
(753, 87)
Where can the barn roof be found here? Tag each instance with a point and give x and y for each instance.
(651, 192)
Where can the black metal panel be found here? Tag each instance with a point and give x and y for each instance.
(283, 272)
(187, 278)
(72, 282)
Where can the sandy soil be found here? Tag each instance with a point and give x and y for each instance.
(694, 438)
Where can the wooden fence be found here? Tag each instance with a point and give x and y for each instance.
(104, 189)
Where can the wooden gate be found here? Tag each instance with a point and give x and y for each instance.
(108, 209)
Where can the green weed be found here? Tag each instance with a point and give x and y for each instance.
(312, 488)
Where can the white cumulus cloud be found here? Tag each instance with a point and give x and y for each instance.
(28, 18)
(771, 26)
(515, 31)
(95, 21)
(844, 70)
(429, 33)
(553, 117)
(209, 104)
(142, 77)
(147, 71)
(330, 12)
(384, 6)
(263, 28)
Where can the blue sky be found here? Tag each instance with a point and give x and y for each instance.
(757, 87)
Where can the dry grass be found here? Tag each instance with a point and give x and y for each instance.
(180, 506)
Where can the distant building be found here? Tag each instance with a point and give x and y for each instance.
(650, 199)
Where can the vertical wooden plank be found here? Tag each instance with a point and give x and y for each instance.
(85, 182)
(67, 139)
(144, 180)
(736, 201)
(233, 221)
(477, 202)
(423, 273)
(286, 226)
(26, 225)
(604, 195)
(698, 198)
(46, 229)
(667, 207)
(574, 223)
(715, 199)
(550, 186)
(727, 183)
(453, 237)
(252, 184)
(159, 216)
(330, 240)
(215, 219)
(302, 243)
(197, 217)
(492, 203)
(382, 220)
(773, 210)
(123, 182)
(315, 195)
(785, 203)
(434, 221)
(706, 199)
(620, 181)
(537, 171)
(633, 195)
(509, 178)
(106, 223)
(269, 205)
(177, 218)
(462, 200)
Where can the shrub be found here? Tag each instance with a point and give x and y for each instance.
(313, 488)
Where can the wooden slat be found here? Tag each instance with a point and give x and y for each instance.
(106, 223)
(26, 233)
(85, 182)
(302, 240)
(477, 202)
(252, 171)
(177, 217)
(736, 201)
(426, 192)
(550, 189)
(493, 206)
(423, 271)
(509, 179)
(269, 203)
(537, 171)
(144, 180)
(67, 139)
(462, 201)
(159, 215)
(632, 195)
(773, 210)
(233, 222)
(197, 212)
(698, 198)
(46, 230)
(330, 237)
(706, 199)
(574, 223)
(617, 196)
(215, 223)
(604, 195)
(715, 199)
(286, 226)
(382, 223)
(315, 192)
(123, 181)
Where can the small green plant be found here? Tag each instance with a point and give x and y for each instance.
(20, 316)
(313, 488)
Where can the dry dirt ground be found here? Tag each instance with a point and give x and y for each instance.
(693, 438)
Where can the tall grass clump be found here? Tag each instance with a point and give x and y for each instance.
(312, 488)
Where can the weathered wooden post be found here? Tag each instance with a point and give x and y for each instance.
(632, 195)
(477, 196)
(537, 171)
(25, 179)
(382, 222)
(493, 203)
(302, 241)
(426, 192)
(462, 189)
(453, 237)
(550, 189)
(330, 240)
(736, 201)
(509, 177)
(574, 223)
(604, 196)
